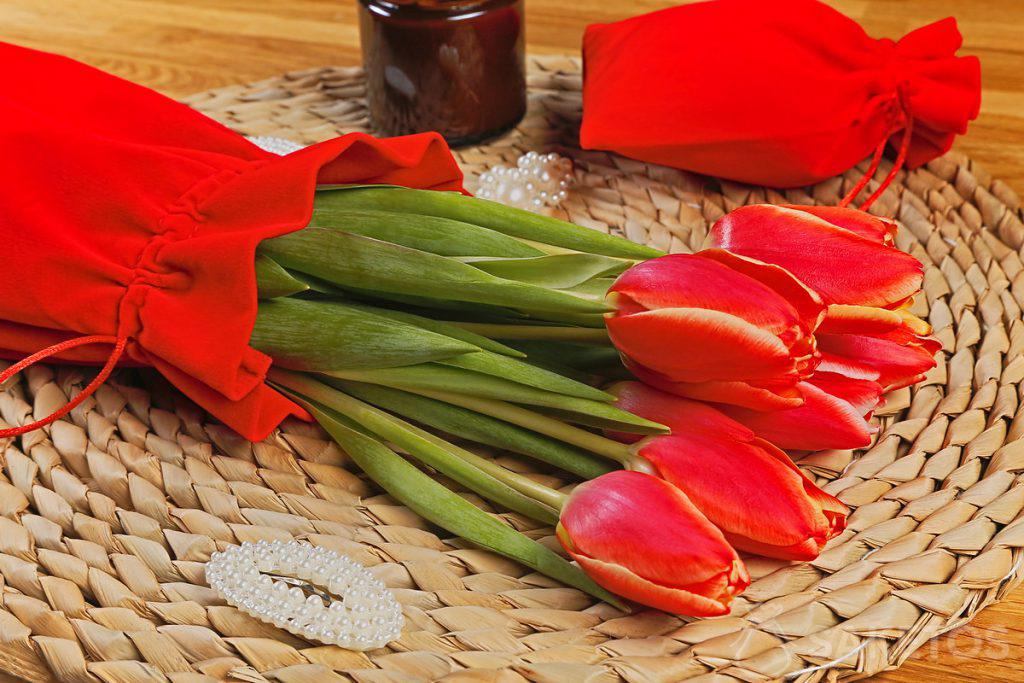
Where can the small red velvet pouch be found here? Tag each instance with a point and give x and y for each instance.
(781, 93)
(130, 221)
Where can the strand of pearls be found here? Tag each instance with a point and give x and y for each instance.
(537, 181)
(276, 145)
(367, 617)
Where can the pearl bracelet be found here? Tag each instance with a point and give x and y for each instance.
(365, 618)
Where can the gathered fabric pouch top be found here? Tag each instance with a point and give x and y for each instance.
(129, 224)
(781, 93)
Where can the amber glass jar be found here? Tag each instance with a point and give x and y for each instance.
(454, 66)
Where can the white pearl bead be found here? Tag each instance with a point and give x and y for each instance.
(537, 180)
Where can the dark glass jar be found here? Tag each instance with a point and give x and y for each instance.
(454, 66)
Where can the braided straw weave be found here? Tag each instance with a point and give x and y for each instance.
(107, 517)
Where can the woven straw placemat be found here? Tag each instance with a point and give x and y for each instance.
(107, 517)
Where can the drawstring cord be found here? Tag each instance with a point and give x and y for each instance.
(115, 355)
(901, 158)
(866, 178)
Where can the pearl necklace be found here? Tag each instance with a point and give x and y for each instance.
(365, 618)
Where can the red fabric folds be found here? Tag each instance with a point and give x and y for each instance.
(128, 215)
(781, 93)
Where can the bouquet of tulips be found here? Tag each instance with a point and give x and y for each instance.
(414, 324)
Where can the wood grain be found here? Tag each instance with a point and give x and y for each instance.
(184, 46)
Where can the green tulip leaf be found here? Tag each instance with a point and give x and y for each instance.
(426, 306)
(510, 330)
(596, 289)
(559, 271)
(580, 361)
(433, 234)
(349, 260)
(505, 219)
(318, 286)
(522, 372)
(321, 336)
(447, 329)
(273, 281)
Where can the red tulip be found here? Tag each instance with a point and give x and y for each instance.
(868, 334)
(747, 487)
(842, 254)
(716, 326)
(824, 421)
(864, 395)
(891, 364)
(889, 347)
(874, 228)
(642, 538)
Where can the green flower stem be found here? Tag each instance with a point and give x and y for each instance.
(586, 335)
(439, 377)
(484, 429)
(452, 512)
(491, 481)
(595, 443)
(408, 436)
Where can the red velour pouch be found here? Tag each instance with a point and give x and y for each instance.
(780, 93)
(129, 224)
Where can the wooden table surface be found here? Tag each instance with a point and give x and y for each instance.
(184, 46)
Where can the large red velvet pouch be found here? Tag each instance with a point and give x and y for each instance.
(132, 219)
(780, 93)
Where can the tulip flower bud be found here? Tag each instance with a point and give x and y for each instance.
(717, 327)
(848, 258)
(834, 415)
(640, 537)
(747, 487)
(845, 255)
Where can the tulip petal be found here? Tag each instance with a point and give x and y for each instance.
(874, 228)
(896, 365)
(838, 365)
(687, 281)
(677, 413)
(804, 551)
(834, 510)
(700, 345)
(804, 300)
(750, 492)
(863, 394)
(841, 266)
(822, 422)
(871, 321)
(675, 600)
(638, 521)
(734, 393)
(831, 507)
